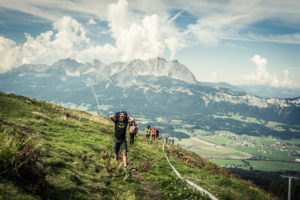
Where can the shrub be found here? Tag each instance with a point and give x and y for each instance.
(19, 160)
(10, 149)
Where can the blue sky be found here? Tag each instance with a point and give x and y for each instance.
(234, 41)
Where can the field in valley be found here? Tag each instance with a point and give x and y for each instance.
(230, 150)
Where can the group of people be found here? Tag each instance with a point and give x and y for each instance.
(153, 132)
(170, 140)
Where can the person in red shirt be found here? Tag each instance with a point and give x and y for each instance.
(153, 133)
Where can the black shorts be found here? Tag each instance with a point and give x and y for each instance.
(119, 144)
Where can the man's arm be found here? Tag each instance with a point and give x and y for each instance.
(130, 119)
(113, 117)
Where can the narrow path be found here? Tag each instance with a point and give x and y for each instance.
(188, 181)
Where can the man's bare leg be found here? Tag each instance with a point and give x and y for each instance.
(116, 156)
(125, 159)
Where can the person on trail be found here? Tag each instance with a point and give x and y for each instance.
(121, 120)
(148, 131)
(153, 133)
(133, 129)
(157, 133)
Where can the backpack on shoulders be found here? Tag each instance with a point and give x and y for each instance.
(133, 128)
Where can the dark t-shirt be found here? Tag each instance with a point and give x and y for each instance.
(120, 129)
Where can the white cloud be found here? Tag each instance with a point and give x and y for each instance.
(210, 30)
(53, 10)
(91, 22)
(9, 54)
(285, 38)
(69, 31)
(118, 17)
(263, 77)
(219, 21)
(286, 81)
(143, 39)
(48, 47)
(174, 44)
(67, 40)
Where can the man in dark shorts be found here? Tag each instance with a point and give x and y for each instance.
(121, 121)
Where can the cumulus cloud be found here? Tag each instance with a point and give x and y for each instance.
(139, 39)
(118, 17)
(142, 39)
(67, 40)
(9, 54)
(174, 45)
(263, 77)
(63, 42)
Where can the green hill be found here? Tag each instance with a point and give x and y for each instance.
(50, 152)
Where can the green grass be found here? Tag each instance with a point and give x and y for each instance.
(71, 156)
(182, 131)
(224, 163)
(276, 154)
(274, 166)
(220, 140)
(212, 177)
(240, 118)
(210, 151)
(268, 166)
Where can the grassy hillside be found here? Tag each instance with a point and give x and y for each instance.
(49, 152)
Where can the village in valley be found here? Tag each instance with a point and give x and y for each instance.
(245, 141)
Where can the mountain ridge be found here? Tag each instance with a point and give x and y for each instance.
(152, 97)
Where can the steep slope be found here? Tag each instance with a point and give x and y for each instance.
(57, 153)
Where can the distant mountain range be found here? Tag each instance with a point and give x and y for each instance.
(269, 92)
(157, 92)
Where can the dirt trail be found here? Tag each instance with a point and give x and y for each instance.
(150, 193)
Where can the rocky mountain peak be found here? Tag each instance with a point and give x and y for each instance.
(161, 67)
